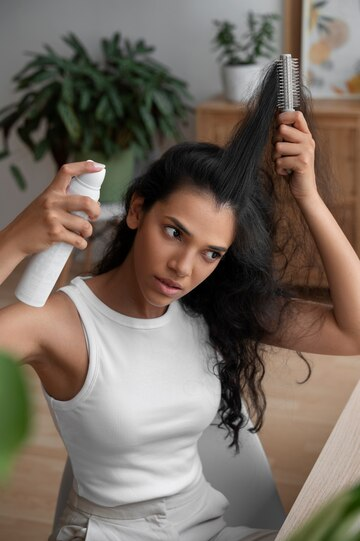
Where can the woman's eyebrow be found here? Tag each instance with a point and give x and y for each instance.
(179, 225)
(182, 228)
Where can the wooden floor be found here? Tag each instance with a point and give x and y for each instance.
(298, 421)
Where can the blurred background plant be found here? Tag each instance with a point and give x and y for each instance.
(15, 413)
(238, 57)
(71, 106)
(257, 40)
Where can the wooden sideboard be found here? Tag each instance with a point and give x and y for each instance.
(338, 125)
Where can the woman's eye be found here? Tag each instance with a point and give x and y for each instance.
(172, 232)
(212, 256)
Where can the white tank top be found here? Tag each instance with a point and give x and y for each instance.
(131, 432)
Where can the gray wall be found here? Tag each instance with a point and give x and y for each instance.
(181, 31)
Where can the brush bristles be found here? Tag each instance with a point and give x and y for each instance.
(288, 83)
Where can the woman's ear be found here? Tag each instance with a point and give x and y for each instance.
(135, 213)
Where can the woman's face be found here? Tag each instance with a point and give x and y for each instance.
(179, 242)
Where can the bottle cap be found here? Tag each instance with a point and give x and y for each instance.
(92, 180)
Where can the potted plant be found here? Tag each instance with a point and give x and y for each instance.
(111, 110)
(239, 57)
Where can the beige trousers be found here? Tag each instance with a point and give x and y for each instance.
(193, 515)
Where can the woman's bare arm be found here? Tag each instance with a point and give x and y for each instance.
(309, 327)
(45, 221)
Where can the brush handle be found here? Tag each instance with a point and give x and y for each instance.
(44, 269)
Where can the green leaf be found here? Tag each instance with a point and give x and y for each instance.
(115, 102)
(148, 120)
(98, 78)
(67, 90)
(334, 520)
(110, 147)
(85, 99)
(26, 101)
(163, 103)
(141, 47)
(52, 55)
(111, 46)
(140, 136)
(41, 148)
(14, 411)
(70, 120)
(8, 122)
(102, 108)
(166, 127)
(24, 134)
(18, 176)
(40, 62)
(88, 141)
(41, 100)
(35, 78)
(72, 40)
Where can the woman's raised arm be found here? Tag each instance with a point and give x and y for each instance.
(311, 328)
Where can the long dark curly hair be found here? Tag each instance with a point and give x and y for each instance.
(246, 296)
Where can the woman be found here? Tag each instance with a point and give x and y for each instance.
(137, 359)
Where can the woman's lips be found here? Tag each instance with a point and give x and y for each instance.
(167, 287)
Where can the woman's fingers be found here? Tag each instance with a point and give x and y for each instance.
(68, 170)
(52, 216)
(56, 208)
(57, 222)
(75, 239)
(294, 146)
(284, 166)
(62, 216)
(75, 203)
(56, 197)
(291, 134)
(294, 152)
(299, 164)
(77, 224)
(293, 118)
(287, 149)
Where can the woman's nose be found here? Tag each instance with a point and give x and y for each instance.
(182, 265)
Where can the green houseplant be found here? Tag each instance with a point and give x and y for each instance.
(76, 107)
(239, 56)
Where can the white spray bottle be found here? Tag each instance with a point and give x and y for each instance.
(44, 268)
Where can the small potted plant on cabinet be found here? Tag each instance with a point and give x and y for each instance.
(110, 110)
(239, 57)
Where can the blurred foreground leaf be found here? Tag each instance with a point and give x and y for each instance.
(336, 520)
(15, 412)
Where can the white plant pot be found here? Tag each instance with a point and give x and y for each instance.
(240, 81)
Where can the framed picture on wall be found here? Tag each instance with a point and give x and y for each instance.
(330, 48)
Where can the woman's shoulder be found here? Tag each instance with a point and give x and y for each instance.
(62, 360)
(63, 332)
(27, 331)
